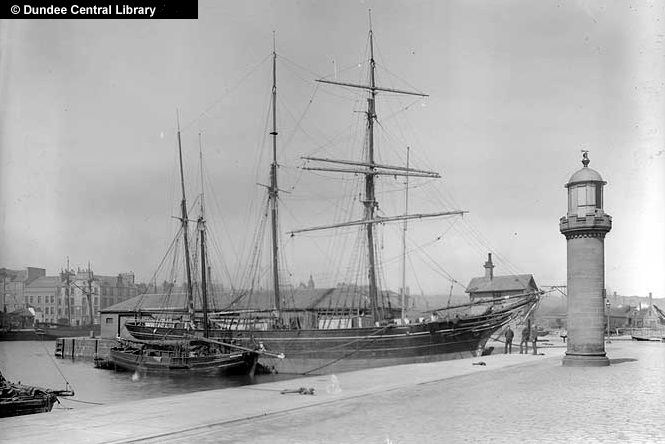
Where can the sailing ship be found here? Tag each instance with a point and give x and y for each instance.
(17, 399)
(185, 351)
(327, 335)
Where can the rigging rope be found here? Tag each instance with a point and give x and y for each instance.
(175, 240)
(228, 91)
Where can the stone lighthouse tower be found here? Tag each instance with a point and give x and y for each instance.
(585, 227)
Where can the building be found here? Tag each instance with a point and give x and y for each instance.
(490, 286)
(14, 283)
(41, 295)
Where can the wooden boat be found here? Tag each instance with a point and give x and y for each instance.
(18, 399)
(371, 330)
(647, 338)
(183, 355)
(52, 332)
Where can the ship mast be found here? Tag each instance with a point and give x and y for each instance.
(185, 229)
(67, 290)
(273, 190)
(201, 227)
(89, 295)
(370, 169)
(370, 202)
(406, 211)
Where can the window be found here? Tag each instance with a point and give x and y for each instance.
(581, 196)
(109, 321)
(587, 199)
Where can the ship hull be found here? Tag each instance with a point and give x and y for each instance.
(152, 364)
(177, 360)
(37, 404)
(327, 351)
(54, 332)
(17, 399)
(22, 334)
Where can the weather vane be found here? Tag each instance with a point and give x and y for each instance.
(585, 157)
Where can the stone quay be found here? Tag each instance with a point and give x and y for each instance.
(512, 398)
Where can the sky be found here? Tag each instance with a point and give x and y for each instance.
(88, 151)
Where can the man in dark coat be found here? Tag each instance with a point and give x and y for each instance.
(508, 349)
(534, 338)
(525, 340)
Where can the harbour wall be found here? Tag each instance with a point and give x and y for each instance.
(83, 347)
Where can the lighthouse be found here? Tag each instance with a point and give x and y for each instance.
(585, 226)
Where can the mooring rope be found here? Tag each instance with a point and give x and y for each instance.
(84, 402)
(68, 385)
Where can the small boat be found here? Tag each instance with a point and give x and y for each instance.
(54, 331)
(18, 399)
(647, 338)
(187, 355)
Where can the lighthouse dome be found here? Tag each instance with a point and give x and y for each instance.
(585, 174)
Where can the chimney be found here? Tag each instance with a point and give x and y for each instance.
(650, 300)
(489, 267)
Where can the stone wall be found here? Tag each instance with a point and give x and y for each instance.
(83, 347)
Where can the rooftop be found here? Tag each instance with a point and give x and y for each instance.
(514, 282)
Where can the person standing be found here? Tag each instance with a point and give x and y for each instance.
(508, 349)
(534, 338)
(525, 340)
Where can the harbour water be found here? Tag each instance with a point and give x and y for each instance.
(34, 363)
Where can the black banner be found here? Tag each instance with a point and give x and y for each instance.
(102, 9)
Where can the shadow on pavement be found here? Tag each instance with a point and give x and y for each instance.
(621, 360)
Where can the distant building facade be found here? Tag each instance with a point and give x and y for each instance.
(64, 299)
(13, 284)
(83, 289)
(41, 295)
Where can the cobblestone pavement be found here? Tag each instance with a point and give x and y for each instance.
(539, 402)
